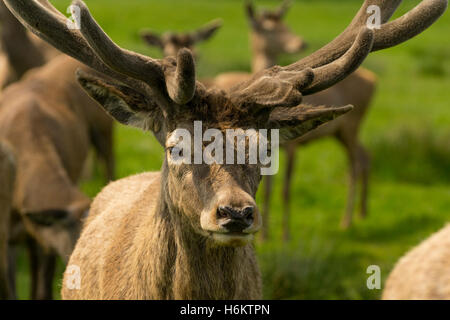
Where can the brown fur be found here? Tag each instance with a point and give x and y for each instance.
(166, 254)
(424, 272)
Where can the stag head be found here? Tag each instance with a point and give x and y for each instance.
(270, 34)
(162, 96)
(170, 42)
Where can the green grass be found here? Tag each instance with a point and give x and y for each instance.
(407, 132)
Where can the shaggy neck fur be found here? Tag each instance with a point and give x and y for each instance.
(178, 263)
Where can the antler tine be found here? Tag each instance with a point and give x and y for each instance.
(49, 6)
(409, 25)
(390, 34)
(330, 74)
(180, 84)
(41, 18)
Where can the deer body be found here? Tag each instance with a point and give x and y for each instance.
(44, 119)
(424, 272)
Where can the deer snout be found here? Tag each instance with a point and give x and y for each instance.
(235, 220)
(232, 218)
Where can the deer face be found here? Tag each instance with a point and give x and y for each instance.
(215, 195)
(269, 33)
(163, 95)
(201, 185)
(170, 42)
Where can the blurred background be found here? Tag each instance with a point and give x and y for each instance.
(407, 132)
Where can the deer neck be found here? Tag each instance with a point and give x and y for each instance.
(189, 266)
(262, 61)
(262, 57)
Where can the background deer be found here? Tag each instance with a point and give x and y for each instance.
(423, 273)
(270, 38)
(42, 118)
(167, 228)
(170, 42)
(266, 27)
(21, 51)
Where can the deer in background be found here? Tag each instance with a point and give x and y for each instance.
(170, 42)
(43, 121)
(149, 236)
(270, 37)
(268, 26)
(52, 111)
(424, 272)
(22, 51)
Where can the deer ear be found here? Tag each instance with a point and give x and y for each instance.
(284, 8)
(250, 10)
(295, 122)
(152, 39)
(124, 104)
(207, 31)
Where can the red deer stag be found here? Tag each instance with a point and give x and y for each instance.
(170, 42)
(165, 235)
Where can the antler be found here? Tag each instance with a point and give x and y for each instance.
(90, 45)
(345, 53)
(390, 34)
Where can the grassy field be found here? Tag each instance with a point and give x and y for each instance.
(407, 132)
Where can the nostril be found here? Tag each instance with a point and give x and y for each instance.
(223, 213)
(248, 212)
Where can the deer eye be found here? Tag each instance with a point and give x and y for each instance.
(175, 151)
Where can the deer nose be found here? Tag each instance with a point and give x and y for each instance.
(235, 220)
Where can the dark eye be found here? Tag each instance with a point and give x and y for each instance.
(175, 150)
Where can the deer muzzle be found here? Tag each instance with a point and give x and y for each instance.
(233, 221)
